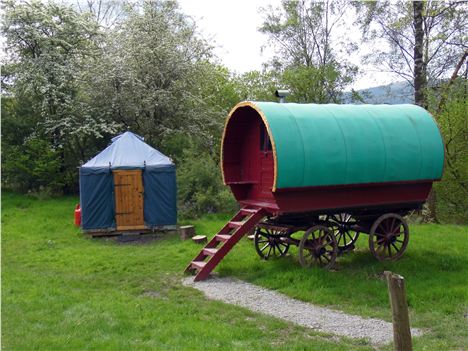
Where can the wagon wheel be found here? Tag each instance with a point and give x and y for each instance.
(345, 236)
(269, 242)
(318, 246)
(388, 237)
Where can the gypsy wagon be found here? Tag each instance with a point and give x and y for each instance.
(333, 171)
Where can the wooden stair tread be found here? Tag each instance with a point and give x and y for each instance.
(198, 264)
(210, 251)
(234, 224)
(222, 237)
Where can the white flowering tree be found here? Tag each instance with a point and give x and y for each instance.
(152, 74)
(48, 48)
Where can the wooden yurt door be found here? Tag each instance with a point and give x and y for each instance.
(129, 199)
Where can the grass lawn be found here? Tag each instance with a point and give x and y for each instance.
(62, 291)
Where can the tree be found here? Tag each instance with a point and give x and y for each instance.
(319, 85)
(419, 41)
(304, 34)
(420, 69)
(107, 13)
(49, 47)
(257, 86)
(155, 64)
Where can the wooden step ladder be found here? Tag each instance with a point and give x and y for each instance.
(215, 250)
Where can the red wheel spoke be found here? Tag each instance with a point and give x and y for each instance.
(397, 228)
(392, 226)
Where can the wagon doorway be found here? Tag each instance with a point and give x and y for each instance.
(265, 165)
(128, 187)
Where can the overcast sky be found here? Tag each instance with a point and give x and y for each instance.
(232, 26)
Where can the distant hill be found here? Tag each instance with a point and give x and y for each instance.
(394, 93)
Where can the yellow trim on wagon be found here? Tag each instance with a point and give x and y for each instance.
(265, 121)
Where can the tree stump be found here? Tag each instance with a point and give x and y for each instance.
(186, 232)
(199, 239)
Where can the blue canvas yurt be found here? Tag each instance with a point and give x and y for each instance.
(128, 186)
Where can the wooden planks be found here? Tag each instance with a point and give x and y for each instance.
(128, 199)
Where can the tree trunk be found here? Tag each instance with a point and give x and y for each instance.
(420, 78)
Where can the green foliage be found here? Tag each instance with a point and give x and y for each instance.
(257, 86)
(452, 191)
(32, 167)
(200, 189)
(315, 85)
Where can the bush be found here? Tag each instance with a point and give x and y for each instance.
(31, 167)
(200, 189)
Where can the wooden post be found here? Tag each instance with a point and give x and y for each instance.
(401, 326)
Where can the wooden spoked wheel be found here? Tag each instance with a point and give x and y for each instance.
(318, 246)
(388, 237)
(269, 242)
(341, 225)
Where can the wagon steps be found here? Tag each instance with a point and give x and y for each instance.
(215, 250)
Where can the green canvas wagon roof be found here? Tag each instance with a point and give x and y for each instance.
(320, 145)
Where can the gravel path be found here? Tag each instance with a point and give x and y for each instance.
(269, 302)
